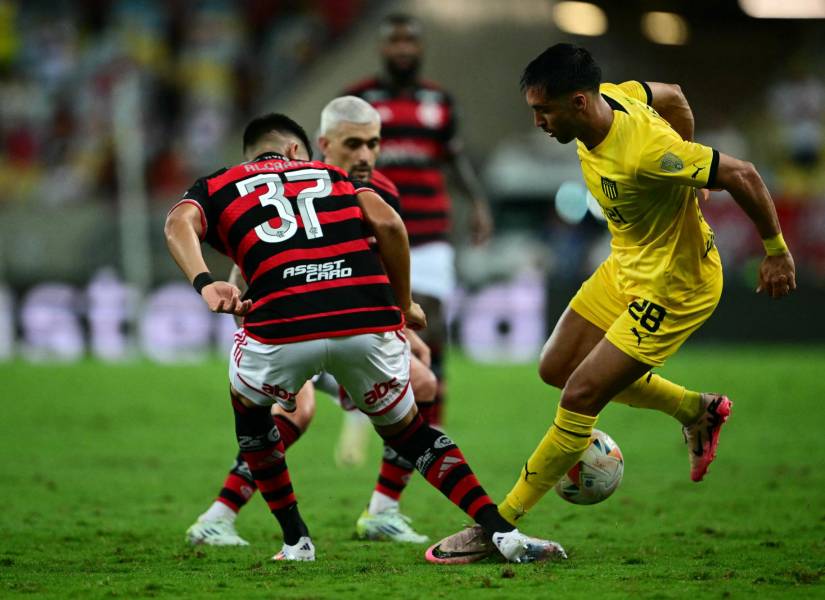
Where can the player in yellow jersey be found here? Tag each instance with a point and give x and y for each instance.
(663, 277)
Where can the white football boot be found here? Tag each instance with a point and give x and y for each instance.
(388, 525)
(214, 532)
(519, 548)
(303, 550)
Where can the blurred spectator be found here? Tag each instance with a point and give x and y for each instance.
(60, 61)
(797, 107)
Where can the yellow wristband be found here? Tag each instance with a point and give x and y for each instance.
(775, 246)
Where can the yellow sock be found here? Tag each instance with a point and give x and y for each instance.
(653, 391)
(557, 452)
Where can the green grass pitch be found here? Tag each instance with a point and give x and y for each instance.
(105, 466)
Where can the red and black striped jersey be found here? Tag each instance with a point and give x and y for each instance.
(418, 129)
(297, 232)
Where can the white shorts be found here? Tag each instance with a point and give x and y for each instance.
(432, 270)
(326, 383)
(374, 368)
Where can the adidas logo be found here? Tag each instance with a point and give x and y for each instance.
(447, 464)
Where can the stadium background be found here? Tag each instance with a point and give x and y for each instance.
(111, 109)
(108, 112)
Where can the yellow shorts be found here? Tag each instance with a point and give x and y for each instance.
(648, 330)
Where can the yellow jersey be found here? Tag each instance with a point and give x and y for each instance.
(644, 175)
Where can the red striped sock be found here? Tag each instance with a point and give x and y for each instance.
(271, 475)
(289, 431)
(239, 485)
(443, 465)
(237, 488)
(264, 452)
(393, 477)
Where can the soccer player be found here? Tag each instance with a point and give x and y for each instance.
(350, 137)
(419, 139)
(320, 298)
(662, 279)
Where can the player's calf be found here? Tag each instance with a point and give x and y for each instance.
(263, 450)
(443, 465)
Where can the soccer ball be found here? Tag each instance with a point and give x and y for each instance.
(597, 474)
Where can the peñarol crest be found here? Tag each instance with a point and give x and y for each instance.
(610, 189)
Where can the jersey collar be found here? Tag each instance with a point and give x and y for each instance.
(269, 156)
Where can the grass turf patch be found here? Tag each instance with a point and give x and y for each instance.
(105, 466)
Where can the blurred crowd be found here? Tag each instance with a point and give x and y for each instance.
(201, 67)
(204, 66)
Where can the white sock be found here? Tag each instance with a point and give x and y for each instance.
(218, 511)
(381, 502)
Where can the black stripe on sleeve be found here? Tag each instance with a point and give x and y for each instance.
(648, 93)
(714, 166)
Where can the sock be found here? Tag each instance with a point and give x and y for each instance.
(263, 450)
(557, 452)
(380, 503)
(429, 412)
(219, 511)
(653, 391)
(239, 485)
(441, 463)
(395, 473)
(289, 431)
(392, 479)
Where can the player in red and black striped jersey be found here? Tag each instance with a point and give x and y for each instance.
(343, 291)
(419, 139)
(301, 229)
(349, 139)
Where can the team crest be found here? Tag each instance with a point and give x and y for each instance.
(430, 114)
(610, 189)
(671, 163)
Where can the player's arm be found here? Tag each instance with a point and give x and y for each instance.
(183, 232)
(777, 274)
(670, 102)
(394, 249)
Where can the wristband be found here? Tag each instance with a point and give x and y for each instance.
(775, 246)
(201, 280)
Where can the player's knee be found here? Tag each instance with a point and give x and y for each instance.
(553, 372)
(304, 411)
(580, 396)
(424, 385)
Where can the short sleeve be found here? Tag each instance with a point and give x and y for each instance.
(668, 158)
(638, 90)
(197, 195)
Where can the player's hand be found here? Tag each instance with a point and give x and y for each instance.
(415, 317)
(481, 223)
(777, 275)
(418, 348)
(703, 194)
(223, 297)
